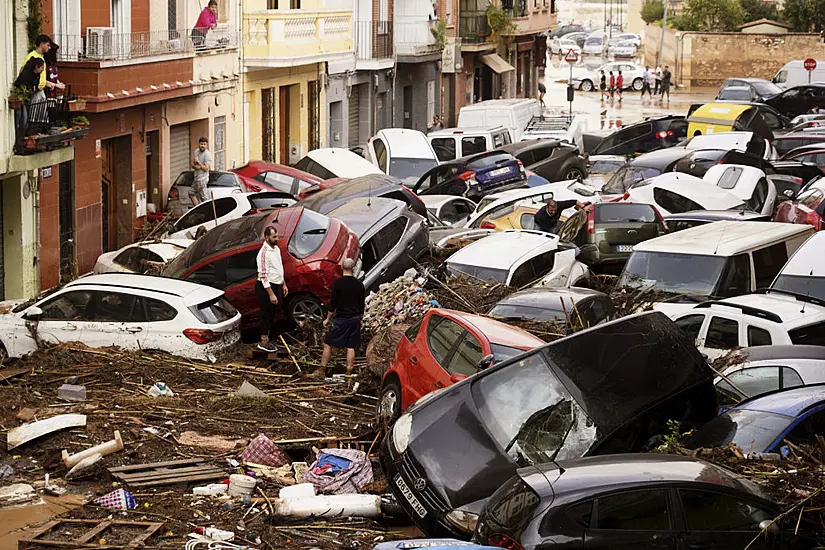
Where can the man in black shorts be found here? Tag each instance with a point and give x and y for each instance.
(345, 310)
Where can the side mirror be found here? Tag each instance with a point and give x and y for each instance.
(455, 378)
(769, 527)
(486, 362)
(33, 314)
(788, 193)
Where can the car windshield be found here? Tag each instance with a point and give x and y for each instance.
(544, 314)
(751, 431)
(739, 94)
(766, 88)
(801, 284)
(606, 166)
(530, 413)
(625, 177)
(487, 161)
(309, 234)
(479, 272)
(693, 276)
(624, 213)
(410, 169)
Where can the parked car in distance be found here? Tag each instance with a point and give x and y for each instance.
(569, 307)
(474, 176)
(312, 248)
(595, 45)
(607, 233)
(645, 136)
(804, 273)
(454, 143)
(376, 185)
(737, 93)
(449, 209)
(139, 257)
(623, 49)
(807, 208)
(578, 37)
(761, 89)
(763, 423)
(220, 184)
(793, 73)
(513, 114)
(209, 215)
(588, 80)
(799, 99)
(335, 162)
(550, 159)
(392, 237)
(130, 311)
(633, 38)
(563, 30)
(401, 153)
(268, 176)
(560, 46)
(675, 192)
(754, 371)
(519, 413)
(445, 347)
(695, 218)
(519, 258)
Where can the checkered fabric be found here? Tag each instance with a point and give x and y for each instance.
(121, 499)
(263, 450)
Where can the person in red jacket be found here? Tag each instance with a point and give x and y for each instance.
(612, 84)
(619, 85)
(208, 19)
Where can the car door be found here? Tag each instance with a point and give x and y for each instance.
(717, 521)
(546, 162)
(722, 335)
(390, 260)
(63, 318)
(117, 319)
(631, 520)
(235, 274)
(692, 325)
(165, 331)
(442, 337)
(208, 215)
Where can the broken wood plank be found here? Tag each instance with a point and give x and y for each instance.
(134, 478)
(312, 439)
(6, 374)
(97, 528)
(29, 432)
(167, 473)
(155, 465)
(184, 479)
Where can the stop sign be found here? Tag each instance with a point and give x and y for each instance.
(809, 64)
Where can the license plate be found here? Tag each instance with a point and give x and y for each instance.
(500, 171)
(408, 494)
(624, 248)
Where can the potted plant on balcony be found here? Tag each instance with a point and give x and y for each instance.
(77, 105)
(18, 96)
(80, 122)
(500, 23)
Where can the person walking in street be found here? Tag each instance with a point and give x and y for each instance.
(547, 219)
(612, 85)
(201, 164)
(666, 76)
(658, 76)
(602, 86)
(619, 85)
(207, 20)
(542, 91)
(270, 288)
(647, 77)
(346, 307)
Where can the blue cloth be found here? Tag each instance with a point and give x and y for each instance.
(335, 463)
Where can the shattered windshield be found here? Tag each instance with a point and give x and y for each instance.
(690, 276)
(543, 423)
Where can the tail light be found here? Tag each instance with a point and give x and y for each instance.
(591, 222)
(625, 196)
(253, 211)
(467, 176)
(487, 225)
(173, 193)
(662, 134)
(418, 200)
(813, 219)
(520, 165)
(202, 336)
(503, 541)
(660, 218)
(796, 180)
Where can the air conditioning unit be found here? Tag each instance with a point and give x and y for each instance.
(99, 42)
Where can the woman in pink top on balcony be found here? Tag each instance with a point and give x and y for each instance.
(208, 19)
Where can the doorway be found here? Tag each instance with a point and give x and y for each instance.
(65, 195)
(116, 192)
(408, 105)
(283, 116)
(153, 170)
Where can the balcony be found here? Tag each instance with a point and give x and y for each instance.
(373, 44)
(48, 124)
(532, 16)
(473, 27)
(289, 38)
(414, 36)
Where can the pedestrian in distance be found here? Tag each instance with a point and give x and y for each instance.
(207, 20)
(542, 91)
(666, 77)
(201, 164)
(658, 77)
(270, 289)
(346, 308)
(603, 86)
(647, 77)
(612, 85)
(619, 85)
(547, 219)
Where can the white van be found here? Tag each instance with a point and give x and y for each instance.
(721, 259)
(794, 74)
(513, 114)
(804, 273)
(402, 153)
(454, 143)
(335, 162)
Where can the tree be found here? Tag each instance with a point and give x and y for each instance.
(805, 15)
(757, 9)
(652, 10)
(715, 15)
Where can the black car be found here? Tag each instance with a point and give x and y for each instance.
(645, 136)
(392, 237)
(643, 167)
(760, 88)
(566, 29)
(786, 143)
(373, 185)
(799, 99)
(605, 390)
(686, 220)
(579, 307)
(473, 176)
(551, 159)
(627, 502)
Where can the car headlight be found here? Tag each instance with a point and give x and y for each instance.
(401, 432)
(465, 521)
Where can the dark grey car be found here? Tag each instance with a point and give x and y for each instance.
(581, 307)
(550, 159)
(373, 185)
(392, 236)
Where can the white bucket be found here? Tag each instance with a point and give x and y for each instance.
(240, 485)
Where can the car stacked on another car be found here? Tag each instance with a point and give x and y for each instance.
(551, 159)
(220, 184)
(474, 176)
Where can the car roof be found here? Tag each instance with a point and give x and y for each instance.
(166, 248)
(777, 305)
(496, 331)
(687, 185)
(413, 142)
(811, 147)
(373, 183)
(263, 166)
(748, 179)
(729, 140)
(343, 162)
(748, 79)
(659, 158)
(808, 260)
(542, 297)
(722, 238)
(190, 293)
(717, 215)
(767, 353)
(362, 213)
(510, 246)
(790, 402)
(466, 130)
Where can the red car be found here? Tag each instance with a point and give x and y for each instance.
(807, 208)
(443, 348)
(268, 176)
(312, 248)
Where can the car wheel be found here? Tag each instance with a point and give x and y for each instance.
(572, 172)
(304, 307)
(637, 84)
(389, 402)
(586, 86)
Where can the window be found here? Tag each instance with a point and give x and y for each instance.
(736, 278)
(466, 357)
(309, 234)
(222, 179)
(543, 152)
(528, 221)
(128, 259)
(759, 196)
(758, 336)
(543, 263)
(219, 150)
(115, 307)
(473, 145)
(752, 381)
(722, 333)
(241, 267)
(380, 154)
(705, 511)
(310, 166)
(279, 181)
(412, 332)
(674, 202)
(812, 335)
(692, 325)
(205, 275)
(384, 19)
(581, 513)
(636, 511)
(805, 433)
(159, 311)
(729, 178)
(812, 199)
(70, 306)
(442, 335)
(389, 236)
(527, 158)
(214, 311)
(767, 263)
(444, 148)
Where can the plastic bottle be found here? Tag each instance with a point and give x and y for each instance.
(214, 534)
(211, 489)
(159, 389)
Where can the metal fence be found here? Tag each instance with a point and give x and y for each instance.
(473, 27)
(103, 44)
(373, 39)
(49, 114)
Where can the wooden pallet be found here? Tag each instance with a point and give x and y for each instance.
(90, 538)
(167, 473)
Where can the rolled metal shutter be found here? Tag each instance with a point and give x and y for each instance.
(179, 151)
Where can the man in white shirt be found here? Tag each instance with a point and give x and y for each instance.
(658, 76)
(270, 288)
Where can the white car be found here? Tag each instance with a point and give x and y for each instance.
(763, 319)
(211, 214)
(674, 193)
(725, 141)
(132, 312)
(449, 209)
(336, 162)
(520, 258)
(804, 273)
(220, 184)
(560, 47)
(402, 153)
(750, 184)
(139, 257)
(634, 39)
(622, 49)
(633, 74)
(595, 44)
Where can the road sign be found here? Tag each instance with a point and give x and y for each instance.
(809, 64)
(571, 57)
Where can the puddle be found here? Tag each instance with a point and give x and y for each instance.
(17, 523)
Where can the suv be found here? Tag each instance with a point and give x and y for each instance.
(550, 159)
(761, 319)
(474, 176)
(607, 232)
(645, 136)
(454, 143)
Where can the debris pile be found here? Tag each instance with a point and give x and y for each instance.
(400, 301)
(467, 294)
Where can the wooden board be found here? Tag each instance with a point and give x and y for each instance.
(6, 374)
(28, 432)
(167, 473)
(88, 539)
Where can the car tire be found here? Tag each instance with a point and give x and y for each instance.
(637, 84)
(586, 86)
(571, 172)
(389, 402)
(304, 306)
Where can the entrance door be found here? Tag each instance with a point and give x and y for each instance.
(154, 195)
(283, 115)
(116, 192)
(314, 113)
(179, 150)
(68, 268)
(408, 106)
(354, 108)
(107, 187)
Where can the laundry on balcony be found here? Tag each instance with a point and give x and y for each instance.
(497, 63)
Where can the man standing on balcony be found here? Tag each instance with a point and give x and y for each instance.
(207, 20)
(201, 164)
(41, 46)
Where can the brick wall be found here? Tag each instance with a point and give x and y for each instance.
(88, 79)
(49, 231)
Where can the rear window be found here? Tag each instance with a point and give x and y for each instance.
(309, 234)
(606, 166)
(489, 160)
(214, 311)
(674, 202)
(801, 284)
(619, 213)
(512, 506)
(308, 165)
(222, 179)
(743, 94)
(514, 311)
(812, 335)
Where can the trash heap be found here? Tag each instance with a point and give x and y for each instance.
(400, 301)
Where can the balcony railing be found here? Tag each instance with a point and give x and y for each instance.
(46, 124)
(277, 37)
(414, 36)
(473, 27)
(373, 39)
(103, 44)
